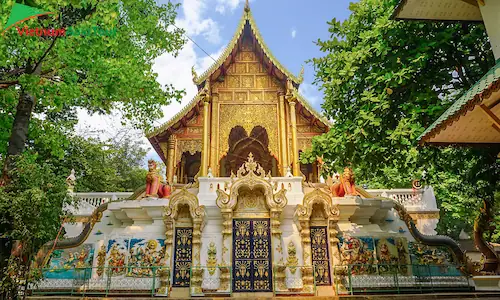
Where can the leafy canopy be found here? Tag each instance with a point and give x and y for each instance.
(95, 72)
(384, 82)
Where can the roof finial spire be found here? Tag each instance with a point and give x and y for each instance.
(247, 6)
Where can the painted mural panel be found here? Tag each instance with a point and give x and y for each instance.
(438, 259)
(387, 255)
(359, 253)
(403, 256)
(65, 264)
(144, 254)
(117, 256)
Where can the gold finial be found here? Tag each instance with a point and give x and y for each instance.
(193, 72)
(301, 75)
(247, 6)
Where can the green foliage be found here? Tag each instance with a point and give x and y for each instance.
(94, 72)
(112, 166)
(384, 82)
(35, 186)
(97, 73)
(31, 206)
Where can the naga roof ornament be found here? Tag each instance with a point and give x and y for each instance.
(246, 17)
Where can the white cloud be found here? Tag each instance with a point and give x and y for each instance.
(223, 6)
(293, 32)
(171, 70)
(194, 23)
(307, 90)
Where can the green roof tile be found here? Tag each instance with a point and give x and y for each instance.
(471, 97)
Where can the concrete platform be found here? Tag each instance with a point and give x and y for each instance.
(449, 296)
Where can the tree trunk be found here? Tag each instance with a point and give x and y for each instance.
(491, 262)
(19, 134)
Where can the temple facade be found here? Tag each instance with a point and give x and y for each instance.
(239, 214)
(246, 102)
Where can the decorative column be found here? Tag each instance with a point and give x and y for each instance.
(214, 135)
(283, 135)
(182, 171)
(226, 206)
(276, 211)
(197, 273)
(295, 151)
(205, 139)
(170, 158)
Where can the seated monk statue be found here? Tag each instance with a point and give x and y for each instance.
(154, 185)
(345, 186)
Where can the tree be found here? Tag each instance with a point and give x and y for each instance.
(384, 82)
(44, 79)
(109, 166)
(89, 70)
(34, 186)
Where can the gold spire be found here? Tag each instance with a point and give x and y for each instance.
(247, 6)
(300, 78)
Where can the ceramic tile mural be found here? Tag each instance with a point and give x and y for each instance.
(359, 252)
(145, 253)
(403, 256)
(62, 263)
(387, 255)
(439, 260)
(117, 256)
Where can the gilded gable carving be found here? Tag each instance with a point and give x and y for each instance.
(275, 83)
(231, 70)
(192, 146)
(303, 129)
(262, 81)
(247, 56)
(271, 96)
(248, 116)
(195, 130)
(304, 143)
(226, 96)
(233, 81)
(241, 96)
(302, 120)
(256, 96)
(240, 68)
(247, 81)
(253, 68)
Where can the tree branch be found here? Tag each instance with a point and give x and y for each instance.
(39, 63)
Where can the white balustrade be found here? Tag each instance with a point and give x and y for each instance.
(87, 202)
(406, 197)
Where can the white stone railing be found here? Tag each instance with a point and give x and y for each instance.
(422, 199)
(98, 198)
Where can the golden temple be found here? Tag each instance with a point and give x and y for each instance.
(246, 102)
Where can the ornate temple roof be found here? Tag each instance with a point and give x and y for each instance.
(217, 69)
(445, 10)
(464, 122)
(226, 54)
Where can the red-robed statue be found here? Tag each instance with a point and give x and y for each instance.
(345, 186)
(154, 185)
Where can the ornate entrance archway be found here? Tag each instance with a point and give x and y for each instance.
(317, 220)
(186, 218)
(241, 145)
(251, 196)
